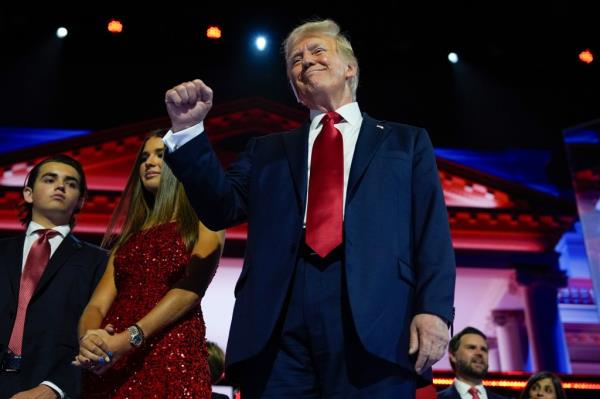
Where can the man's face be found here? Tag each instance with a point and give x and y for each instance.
(471, 358)
(317, 70)
(56, 193)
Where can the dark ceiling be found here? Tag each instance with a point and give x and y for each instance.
(519, 82)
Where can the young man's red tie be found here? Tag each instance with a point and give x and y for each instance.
(38, 257)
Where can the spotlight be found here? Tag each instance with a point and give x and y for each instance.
(115, 26)
(453, 57)
(586, 56)
(261, 43)
(61, 32)
(213, 32)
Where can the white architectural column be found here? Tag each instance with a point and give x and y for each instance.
(511, 334)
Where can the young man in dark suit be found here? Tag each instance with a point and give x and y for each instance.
(468, 352)
(47, 276)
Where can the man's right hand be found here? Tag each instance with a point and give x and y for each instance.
(188, 103)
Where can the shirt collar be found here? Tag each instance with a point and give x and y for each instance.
(463, 387)
(63, 230)
(350, 112)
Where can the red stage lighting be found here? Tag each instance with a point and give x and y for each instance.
(519, 384)
(213, 32)
(586, 56)
(115, 26)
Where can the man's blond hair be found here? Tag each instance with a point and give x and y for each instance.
(326, 27)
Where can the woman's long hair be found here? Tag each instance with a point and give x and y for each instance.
(138, 209)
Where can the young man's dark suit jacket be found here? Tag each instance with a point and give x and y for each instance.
(50, 339)
(452, 393)
(399, 259)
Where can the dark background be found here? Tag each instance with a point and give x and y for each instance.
(519, 83)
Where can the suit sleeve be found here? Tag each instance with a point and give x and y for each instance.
(64, 374)
(219, 198)
(98, 272)
(433, 252)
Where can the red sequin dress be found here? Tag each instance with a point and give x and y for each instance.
(173, 363)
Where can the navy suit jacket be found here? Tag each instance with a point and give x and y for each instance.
(398, 254)
(452, 393)
(50, 339)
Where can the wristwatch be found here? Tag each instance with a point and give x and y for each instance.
(136, 335)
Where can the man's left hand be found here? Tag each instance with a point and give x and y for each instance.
(40, 392)
(428, 338)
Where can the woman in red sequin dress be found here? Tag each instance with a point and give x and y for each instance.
(153, 343)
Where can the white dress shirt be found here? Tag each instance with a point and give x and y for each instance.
(349, 127)
(463, 390)
(30, 237)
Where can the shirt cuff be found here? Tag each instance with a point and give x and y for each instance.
(54, 388)
(173, 141)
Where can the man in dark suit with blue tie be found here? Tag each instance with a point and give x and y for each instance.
(348, 280)
(468, 355)
(47, 276)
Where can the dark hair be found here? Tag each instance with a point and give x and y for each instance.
(560, 392)
(26, 209)
(455, 341)
(216, 361)
(138, 208)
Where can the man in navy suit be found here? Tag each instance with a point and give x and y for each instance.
(468, 353)
(348, 280)
(39, 310)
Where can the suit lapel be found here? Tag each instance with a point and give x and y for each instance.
(69, 246)
(455, 391)
(371, 135)
(296, 148)
(14, 262)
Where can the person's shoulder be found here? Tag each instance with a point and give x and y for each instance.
(6, 242)
(403, 126)
(277, 135)
(493, 395)
(88, 246)
(399, 127)
(269, 137)
(447, 393)
(300, 129)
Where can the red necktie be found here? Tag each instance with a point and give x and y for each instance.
(37, 259)
(326, 189)
(474, 392)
